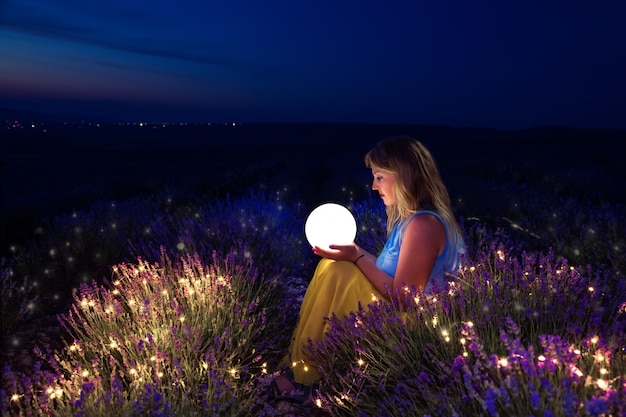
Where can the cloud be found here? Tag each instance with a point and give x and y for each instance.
(125, 30)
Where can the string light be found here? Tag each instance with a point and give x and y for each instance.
(445, 335)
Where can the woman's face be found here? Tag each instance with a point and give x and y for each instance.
(384, 182)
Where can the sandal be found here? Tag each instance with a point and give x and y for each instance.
(285, 388)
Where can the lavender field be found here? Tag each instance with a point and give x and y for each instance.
(158, 270)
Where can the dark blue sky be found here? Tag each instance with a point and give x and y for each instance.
(504, 64)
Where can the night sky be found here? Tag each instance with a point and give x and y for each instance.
(503, 64)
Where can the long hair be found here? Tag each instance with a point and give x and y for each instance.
(418, 183)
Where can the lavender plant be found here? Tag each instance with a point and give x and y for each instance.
(168, 338)
(257, 227)
(17, 301)
(583, 231)
(446, 354)
(78, 247)
(547, 337)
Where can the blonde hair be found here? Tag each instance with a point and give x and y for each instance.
(418, 183)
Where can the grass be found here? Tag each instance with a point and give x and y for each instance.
(176, 306)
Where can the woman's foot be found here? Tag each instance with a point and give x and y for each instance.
(286, 389)
(284, 385)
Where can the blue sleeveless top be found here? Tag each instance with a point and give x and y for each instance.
(447, 263)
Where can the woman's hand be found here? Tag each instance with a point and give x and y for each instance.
(339, 252)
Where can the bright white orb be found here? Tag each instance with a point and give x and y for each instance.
(329, 224)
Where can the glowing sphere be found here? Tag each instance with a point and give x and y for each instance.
(328, 224)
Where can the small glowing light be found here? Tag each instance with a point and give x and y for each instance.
(541, 358)
(603, 384)
(576, 371)
(306, 368)
(360, 362)
(590, 289)
(594, 340)
(329, 224)
(133, 371)
(85, 373)
(318, 403)
(503, 362)
(15, 397)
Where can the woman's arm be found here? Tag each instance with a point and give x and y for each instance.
(367, 263)
(423, 241)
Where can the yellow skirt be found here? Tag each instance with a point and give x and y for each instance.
(336, 287)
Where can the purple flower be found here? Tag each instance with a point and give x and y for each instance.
(548, 388)
(491, 398)
(458, 364)
(535, 399)
(87, 388)
(506, 398)
(596, 406)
